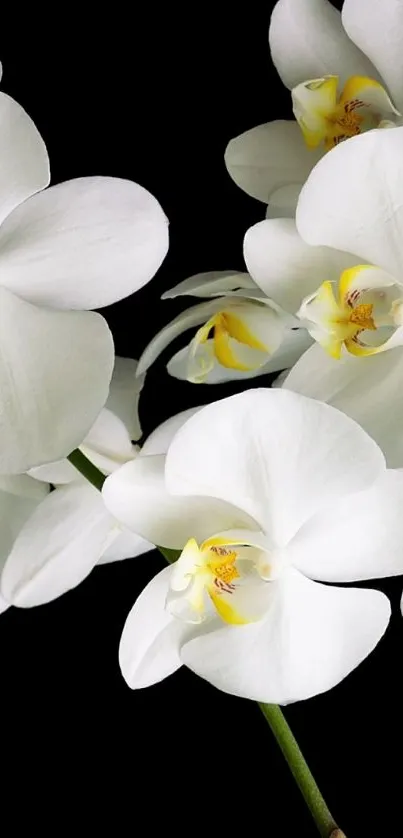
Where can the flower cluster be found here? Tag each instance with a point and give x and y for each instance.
(271, 498)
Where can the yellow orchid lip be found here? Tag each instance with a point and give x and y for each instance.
(216, 570)
(328, 118)
(231, 338)
(366, 301)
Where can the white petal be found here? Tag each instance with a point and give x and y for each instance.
(3, 604)
(367, 389)
(278, 457)
(209, 283)
(57, 473)
(126, 545)
(19, 497)
(58, 546)
(160, 439)
(312, 637)
(307, 41)
(270, 156)
(108, 444)
(378, 31)
(283, 201)
(285, 267)
(294, 343)
(124, 394)
(84, 243)
(188, 319)
(151, 638)
(353, 200)
(359, 537)
(24, 166)
(55, 370)
(137, 496)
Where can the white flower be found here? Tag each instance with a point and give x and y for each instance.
(337, 92)
(81, 244)
(351, 202)
(242, 333)
(60, 537)
(263, 492)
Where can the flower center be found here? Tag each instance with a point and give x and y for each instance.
(367, 301)
(218, 577)
(328, 118)
(229, 338)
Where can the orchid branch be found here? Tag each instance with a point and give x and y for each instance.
(282, 732)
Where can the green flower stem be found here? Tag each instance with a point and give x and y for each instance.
(302, 775)
(86, 468)
(272, 713)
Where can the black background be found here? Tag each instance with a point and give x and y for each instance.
(154, 96)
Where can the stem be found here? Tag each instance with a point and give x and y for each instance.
(272, 713)
(302, 775)
(86, 468)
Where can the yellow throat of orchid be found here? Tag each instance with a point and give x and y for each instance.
(367, 299)
(328, 118)
(218, 572)
(227, 338)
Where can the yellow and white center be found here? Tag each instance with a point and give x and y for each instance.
(329, 118)
(222, 572)
(368, 300)
(240, 337)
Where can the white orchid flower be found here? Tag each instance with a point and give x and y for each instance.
(263, 492)
(78, 245)
(241, 332)
(340, 70)
(352, 201)
(339, 268)
(60, 540)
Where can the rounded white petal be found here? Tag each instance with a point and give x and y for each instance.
(367, 389)
(137, 496)
(57, 473)
(124, 394)
(307, 40)
(285, 267)
(58, 546)
(151, 638)
(359, 537)
(160, 439)
(188, 319)
(294, 343)
(279, 457)
(55, 370)
(283, 201)
(312, 637)
(378, 30)
(270, 156)
(210, 283)
(108, 444)
(24, 167)
(84, 243)
(126, 545)
(353, 200)
(19, 497)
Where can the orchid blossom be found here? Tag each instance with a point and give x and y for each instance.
(241, 332)
(263, 493)
(345, 75)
